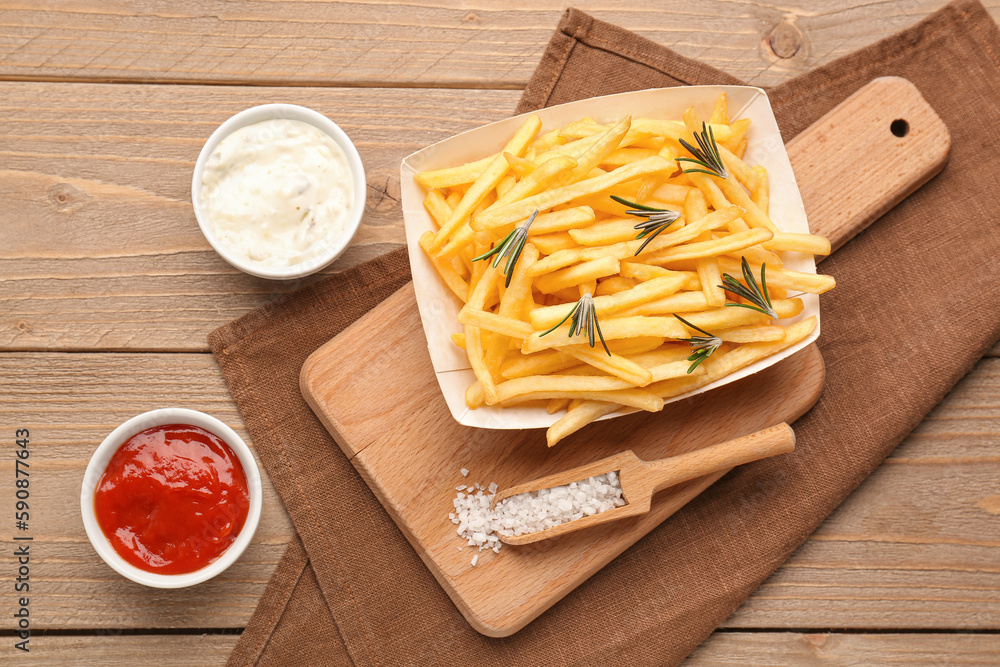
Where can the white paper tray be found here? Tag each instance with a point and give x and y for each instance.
(439, 307)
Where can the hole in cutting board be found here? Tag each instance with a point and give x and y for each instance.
(899, 128)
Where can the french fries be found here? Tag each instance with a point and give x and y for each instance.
(560, 232)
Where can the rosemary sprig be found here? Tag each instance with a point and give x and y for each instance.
(510, 247)
(703, 346)
(756, 294)
(584, 321)
(657, 219)
(706, 155)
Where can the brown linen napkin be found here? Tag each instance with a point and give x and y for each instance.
(896, 338)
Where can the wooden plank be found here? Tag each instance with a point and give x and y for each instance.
(436, 43)
(99, 248)
(793, 649)
(914, 546)
(776, 649)
(128, 650)
(70, 402)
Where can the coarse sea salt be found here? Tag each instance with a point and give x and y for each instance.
(529, 512)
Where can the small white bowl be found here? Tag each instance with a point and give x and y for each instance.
(291, 112)
(102, 456)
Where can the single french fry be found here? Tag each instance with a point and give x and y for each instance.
(438, 207)
(741, 149)
(455, 282)
(574, 275)
(576, 418)
(726, 244)
(473, 334)
(561, 221)
(565, 295)
(720, 113)
(511, 306)
(684, 302)
(796, 281)
(546, 200)
(452, 176)
(614, 285)
(578, 386)
(711, 277)
(735, 193)
(743, 172)
(506, 326)
(454, 197)
(506, 183)
(737, 131)
(520, 166)
(623, 156)
(665, 354)
(458, 339)
(605, 232)
(674, 369)
(672, 129)
(757, 255)
(671, 193)
(487, 182)
(730, 317)
(811, 243)
(605, 305)
(643, 272)
(549, 244)
(556, 405)
(754, 333)
(762, 195)
(551, 361)
(614, 364)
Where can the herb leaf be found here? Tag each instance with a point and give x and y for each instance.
(702, 346)
(656, 220)
(756, 294)
(510, 247)
(706, 155)
(584, 321)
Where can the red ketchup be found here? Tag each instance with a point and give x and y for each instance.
(172, 499)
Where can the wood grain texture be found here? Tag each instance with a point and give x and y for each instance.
(99, 248)
(723, 649)
(426, 44)
(793, 649)
(70, 402)
(914, 546)
(903, 141)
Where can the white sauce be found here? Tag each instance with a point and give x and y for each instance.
(277, 193)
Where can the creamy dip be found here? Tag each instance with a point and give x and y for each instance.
(277, 193)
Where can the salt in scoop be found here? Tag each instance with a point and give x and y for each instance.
(641, 479)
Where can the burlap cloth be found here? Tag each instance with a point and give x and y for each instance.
(915, 307)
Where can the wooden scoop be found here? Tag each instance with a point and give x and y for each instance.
(641, 479)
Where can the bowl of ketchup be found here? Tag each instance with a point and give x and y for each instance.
(171, 498)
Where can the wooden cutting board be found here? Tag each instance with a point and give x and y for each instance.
(375, 390)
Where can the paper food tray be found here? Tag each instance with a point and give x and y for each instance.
(439, 307)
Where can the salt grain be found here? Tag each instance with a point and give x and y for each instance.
(465, 472)
(529, 512)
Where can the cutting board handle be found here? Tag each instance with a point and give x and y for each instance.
(866, 155)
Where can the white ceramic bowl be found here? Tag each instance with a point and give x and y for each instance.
(292, 112)
(99, 461)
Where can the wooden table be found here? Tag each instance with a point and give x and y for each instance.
(107, 291)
